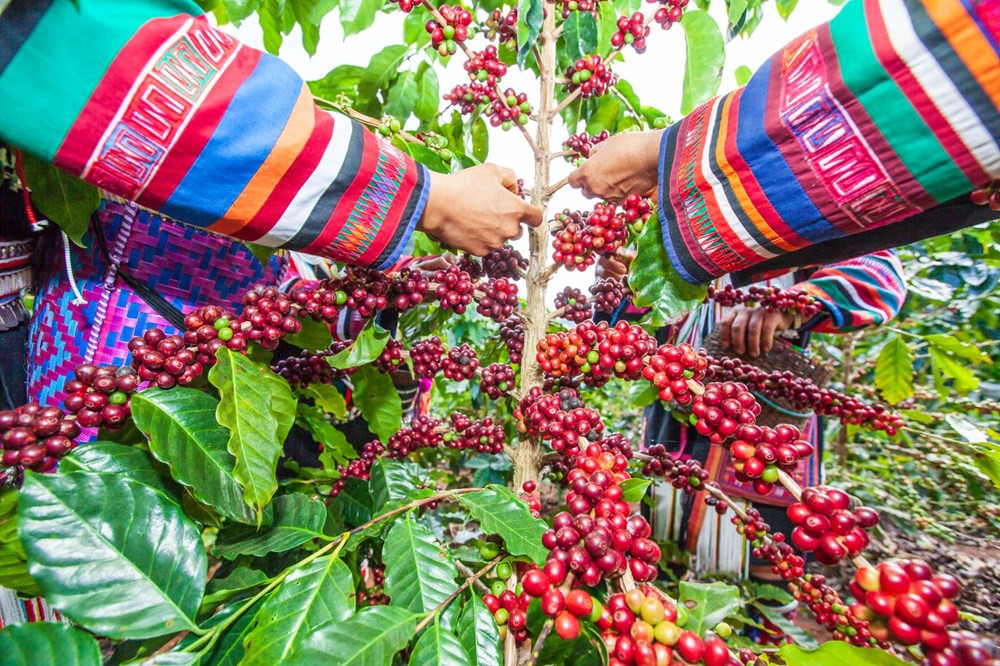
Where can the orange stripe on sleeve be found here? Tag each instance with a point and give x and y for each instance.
(290, 143)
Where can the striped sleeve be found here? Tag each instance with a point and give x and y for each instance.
(150, 102)
(889, 110)
(857, 293)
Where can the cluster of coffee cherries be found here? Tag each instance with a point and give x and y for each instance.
(498, 299)
(632, 31)
(391, 358)
(686, 475)
(760, 452)
(637, 211)
(498, 379)
(509, 608)
(367, 290)
(793, 301)
(509, 108)
(529, 496)
(36, 437)
(615, 444)
(722, 408)
(454, 289)
(826, 524)
(987, 195)
(504, 262)
(565, 608)
(591, 75)
(598, 537)
(311, 367)
(607, 228)
(572, 245)
(672, 369)
(596, 350)
(574, 305)
(906, 602)
(580, 145)
(569, 6)
(321, 302)
(502, 27)
(427, 355)
(483, 435)
(469, 96)
(164, 360)
(99, 396)
(461, 363)
(810, 590)
(802, 394)
(210, 328)
(457, 28)
(669, 12)
(407, 5)
(641, 627)
(424, 432)
(360, 467)
(608, 294)
(268, 311)
(577, 236)
(512, 334)
(560, 418)
(485, 66)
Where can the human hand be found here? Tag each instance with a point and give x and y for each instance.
(752, 330)
(476, 210)
(616, 267)
(624, 164)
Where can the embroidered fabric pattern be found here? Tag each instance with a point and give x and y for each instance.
(888, 110)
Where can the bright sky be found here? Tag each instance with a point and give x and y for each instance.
(656, 76)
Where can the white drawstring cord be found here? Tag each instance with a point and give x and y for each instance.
(79, 300)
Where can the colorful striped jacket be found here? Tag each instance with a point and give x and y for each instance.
(865, 125)
(151, 103)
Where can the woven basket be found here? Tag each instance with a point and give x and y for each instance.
(783, 356)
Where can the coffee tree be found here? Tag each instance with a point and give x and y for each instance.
(174, 539)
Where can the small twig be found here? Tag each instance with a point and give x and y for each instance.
(467, 572)
(555, 314)
(570, 98)
(561, 153)
(412, 505)
(549, 271)
(367, 120)
(558, 186)
(468, 581)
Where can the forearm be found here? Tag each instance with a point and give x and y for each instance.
(160, 108)
(857, 293)
(855, 125)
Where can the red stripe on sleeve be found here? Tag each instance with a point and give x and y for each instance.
(109, 95)
(292, 181)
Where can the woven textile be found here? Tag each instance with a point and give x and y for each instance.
(888, 110)
(148, 101)
(186, 266)
(14, 610)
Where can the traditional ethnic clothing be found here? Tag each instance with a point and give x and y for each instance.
(154, 105)
(890, 109)
(858, 293)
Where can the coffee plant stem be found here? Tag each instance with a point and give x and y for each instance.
(468, 581)
(412, 505)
